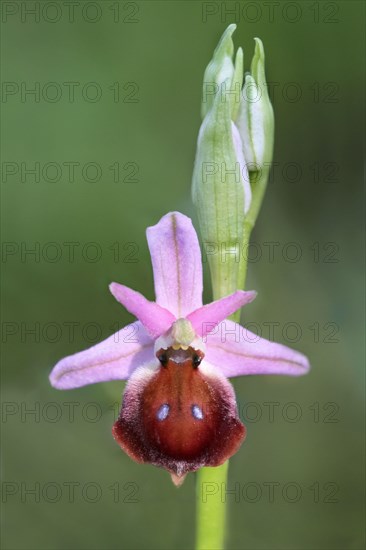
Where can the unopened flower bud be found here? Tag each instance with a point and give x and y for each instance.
(221, 188)
(255, 119)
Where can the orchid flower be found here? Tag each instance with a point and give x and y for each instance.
(179, 410)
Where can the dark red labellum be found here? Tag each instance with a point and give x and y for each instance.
(180, 416)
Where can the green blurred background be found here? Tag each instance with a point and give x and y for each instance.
(311, 450)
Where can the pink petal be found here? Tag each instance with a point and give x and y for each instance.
(113, 359)
(206, 318)
(177, 265)
(237, 352)
(155, 318)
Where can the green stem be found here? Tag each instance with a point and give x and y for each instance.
(211, 509)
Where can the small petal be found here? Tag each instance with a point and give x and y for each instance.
(177, 265)
(155, 318)
(238, 352)
(206, 318)
(114, 359)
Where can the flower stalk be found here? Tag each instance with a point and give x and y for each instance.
(211, 508)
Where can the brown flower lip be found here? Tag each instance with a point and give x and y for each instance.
(183, 418)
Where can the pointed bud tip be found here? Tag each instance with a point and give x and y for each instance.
(230, 29)
(257, 65)
(258, 40)
(259, 45)
(226, 44)
(239, 53)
